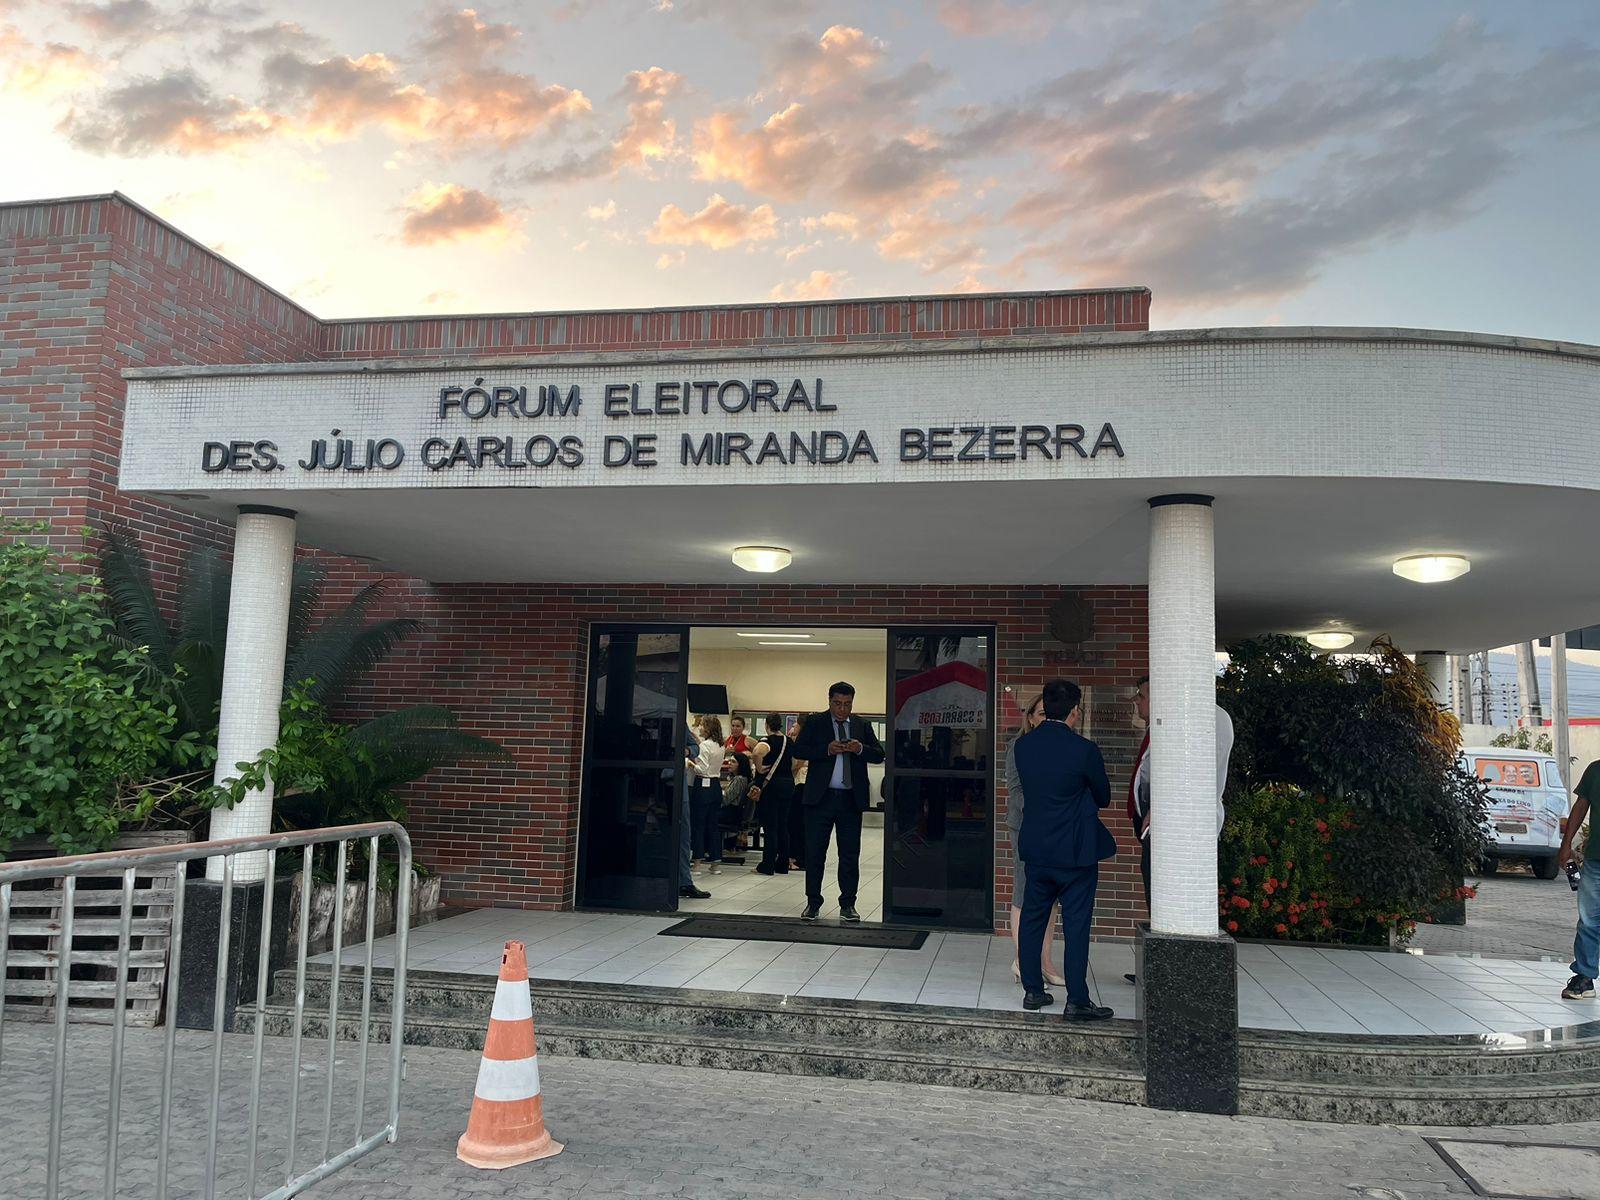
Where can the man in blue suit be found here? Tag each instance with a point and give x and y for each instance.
(1062, 841)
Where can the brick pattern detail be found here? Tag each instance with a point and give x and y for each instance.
(512, 661)
(91, 286)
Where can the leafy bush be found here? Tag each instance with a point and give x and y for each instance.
(1524, 739)
(80, 734)
(1347, 770)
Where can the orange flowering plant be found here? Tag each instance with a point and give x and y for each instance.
(1348, 816)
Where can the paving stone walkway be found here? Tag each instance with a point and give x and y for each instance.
(635, 1130)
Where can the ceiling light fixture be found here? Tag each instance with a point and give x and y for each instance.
(796, 636)
(1432, 568)
(1330, 639)
(762, 559)
(793, 645)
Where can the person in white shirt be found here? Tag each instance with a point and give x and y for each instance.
(705, 803)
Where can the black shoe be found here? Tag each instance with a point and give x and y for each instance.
(690, 892)
(1086, 1012)
(764, 869)
(1579, 987)
(1036, 1000)
(849, 913)
(1132, 978)
(811, 912)
(781, 870)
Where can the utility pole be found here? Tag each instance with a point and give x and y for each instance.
(1461, 672)
(1560, 722)
(1485, 699)
(1528, 684)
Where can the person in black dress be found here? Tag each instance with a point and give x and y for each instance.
(773, 761)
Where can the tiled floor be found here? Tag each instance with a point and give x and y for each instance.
(1335, 991)
(742, 891)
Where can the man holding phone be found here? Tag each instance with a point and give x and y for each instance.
(837, 747)
(1586, 942)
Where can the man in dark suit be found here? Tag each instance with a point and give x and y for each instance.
(1062, 842)
(838, 748)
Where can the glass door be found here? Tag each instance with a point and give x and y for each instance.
(633, 767)
(939, 820)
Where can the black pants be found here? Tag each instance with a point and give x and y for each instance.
(1144, 871)
(774, 806)
(836, 813)
(1073, 888)
(797, 827)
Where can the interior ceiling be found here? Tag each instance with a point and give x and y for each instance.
(1292, 555)
(836, 641)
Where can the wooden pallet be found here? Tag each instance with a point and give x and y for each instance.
(33, 953)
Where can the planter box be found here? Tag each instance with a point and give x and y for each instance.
(424, 899)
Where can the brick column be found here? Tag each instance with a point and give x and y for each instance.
(1187, 972)
(252, 672)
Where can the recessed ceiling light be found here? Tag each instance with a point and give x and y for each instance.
(762, 559)
(793, 645)
(1432, 568)
(741, 633)
(1330, 639)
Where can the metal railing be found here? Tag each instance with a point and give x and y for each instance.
(128, 863)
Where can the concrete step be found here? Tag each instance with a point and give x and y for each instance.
(1017, 1035)
(1541, 1078)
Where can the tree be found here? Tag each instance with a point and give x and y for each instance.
(81, 734)
(325, 772)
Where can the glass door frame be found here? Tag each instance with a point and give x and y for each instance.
(597, 630)
(932, 629)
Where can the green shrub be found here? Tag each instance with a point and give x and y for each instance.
(80, 734)
(1360, 746)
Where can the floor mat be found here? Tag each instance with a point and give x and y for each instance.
(779, 929)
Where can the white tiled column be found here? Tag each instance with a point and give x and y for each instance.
(1436, 665)
(1183, 717)
(252, 673)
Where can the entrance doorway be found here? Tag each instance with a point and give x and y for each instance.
(927, 847)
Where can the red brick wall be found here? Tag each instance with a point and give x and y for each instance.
(512, 659)
(87, 288)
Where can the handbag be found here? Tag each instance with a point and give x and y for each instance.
(757, 787)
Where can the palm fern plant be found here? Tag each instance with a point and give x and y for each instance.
(186, 650)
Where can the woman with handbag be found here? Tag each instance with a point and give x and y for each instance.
(774, 790)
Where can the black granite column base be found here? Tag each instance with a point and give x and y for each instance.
(202, 923)
(1189, 995)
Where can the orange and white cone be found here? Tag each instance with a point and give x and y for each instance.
(506, 1128)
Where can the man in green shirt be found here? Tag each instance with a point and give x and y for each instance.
(1586, 943)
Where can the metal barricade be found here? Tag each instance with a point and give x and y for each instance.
(69, 869)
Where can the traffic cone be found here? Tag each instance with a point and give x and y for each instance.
(506, 1128)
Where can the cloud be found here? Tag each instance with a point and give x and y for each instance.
(648, 136)
(44, 69)
(847, 224)
(438, 214)
(804, 66)
(819, 285)
(671, 258)
(119, 20)
(176, 112)
(601, 212)
(718, 225)
(937, 244)
(991, 18)
(463, 40)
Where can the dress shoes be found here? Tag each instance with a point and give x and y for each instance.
(1036, 1000)
(690, 892)
(1086, 1012)
(764, 869)
(849, 913)
(811, 912)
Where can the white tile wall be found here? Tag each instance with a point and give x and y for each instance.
(1262, 407)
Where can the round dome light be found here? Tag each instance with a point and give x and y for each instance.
(762, 559)
(1330, 639)
(1432, 568)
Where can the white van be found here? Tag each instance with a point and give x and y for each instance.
(1527, 805)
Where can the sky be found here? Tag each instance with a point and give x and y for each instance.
(1331, 162)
